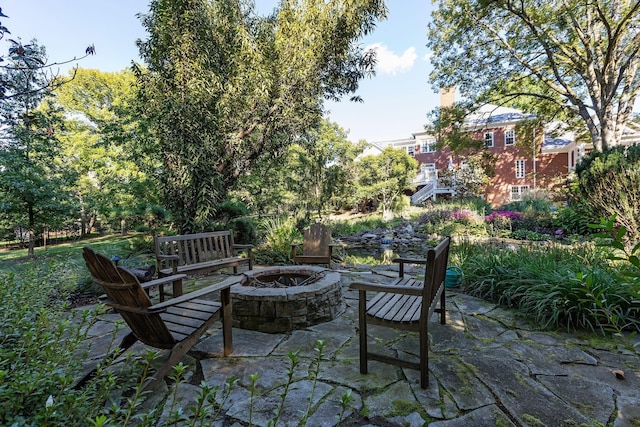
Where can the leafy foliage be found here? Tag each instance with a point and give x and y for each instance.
(259, 83)
(609, 185)
(101, 147)
(32, 183)
(545, 284)
(560, 59)
(386, 176)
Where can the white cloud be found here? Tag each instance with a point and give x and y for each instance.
(391, 63)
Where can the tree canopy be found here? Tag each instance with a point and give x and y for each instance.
(570, 58)
(225, 88)
(386, 176)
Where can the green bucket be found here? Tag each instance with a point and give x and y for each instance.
(454, 277)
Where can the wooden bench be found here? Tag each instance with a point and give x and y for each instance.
(199, 253)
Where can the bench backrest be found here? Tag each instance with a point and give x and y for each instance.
(434, 275)
(195, 248)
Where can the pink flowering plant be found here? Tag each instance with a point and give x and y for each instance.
(464, 216)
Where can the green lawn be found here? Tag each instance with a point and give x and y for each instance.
(109, 245)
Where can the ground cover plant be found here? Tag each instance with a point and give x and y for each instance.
(559, 286)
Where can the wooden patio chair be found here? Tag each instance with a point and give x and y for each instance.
(175, 325)
(316, 247)
(405, 304)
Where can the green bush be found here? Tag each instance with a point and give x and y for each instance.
(41, 354)
(575, 219)
(533, 203)
(244, 230)
(609, 184)
(278, 235)
(545, 283)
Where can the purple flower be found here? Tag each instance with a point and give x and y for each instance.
(559, 232)
(503, 215)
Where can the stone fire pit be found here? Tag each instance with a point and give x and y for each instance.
(282, 299)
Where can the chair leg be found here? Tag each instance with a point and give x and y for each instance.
(126, 342)
(177, 353)
(424, 358)
(362, 322)
(227, 338)
(443, 312)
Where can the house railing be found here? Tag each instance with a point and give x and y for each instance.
(430, 189)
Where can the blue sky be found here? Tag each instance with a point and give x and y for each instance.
(396, 100)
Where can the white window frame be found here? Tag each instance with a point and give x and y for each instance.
(488, 139)
(521, 168)
(509, 135)
(429, 146)
(518, 191)
(411, 150)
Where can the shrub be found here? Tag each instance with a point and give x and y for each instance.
(278, 234)
(244, 230)
(41, 354)
(545, 283)
(609, 183)
(500, 221)
(575, 219)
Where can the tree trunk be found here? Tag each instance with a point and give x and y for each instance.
(32, 233)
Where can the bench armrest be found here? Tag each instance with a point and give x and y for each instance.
(162, 280)
(403, 261)
(236, 246)
(168, 257)
(390, 288)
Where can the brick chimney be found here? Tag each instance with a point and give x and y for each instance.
(447, 97)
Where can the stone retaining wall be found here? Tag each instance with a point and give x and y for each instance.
(275, 310)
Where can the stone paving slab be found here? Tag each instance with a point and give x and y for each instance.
(487, 368)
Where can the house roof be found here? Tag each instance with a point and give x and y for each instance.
(490, 114)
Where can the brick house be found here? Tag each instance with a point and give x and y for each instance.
(524, 163)
(538, 162)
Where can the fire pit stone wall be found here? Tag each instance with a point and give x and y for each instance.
(283, 309)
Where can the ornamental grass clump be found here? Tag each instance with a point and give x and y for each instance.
(545, 283)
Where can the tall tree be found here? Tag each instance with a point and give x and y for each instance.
(101, 144)
(322, 166)
(572, 57)
(386, 176)
(225, 88)
(33, 184)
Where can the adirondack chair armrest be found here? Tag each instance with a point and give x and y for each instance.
(224, 286)
(403, 261)
(389, 288)
(146, 285)
(120, 307)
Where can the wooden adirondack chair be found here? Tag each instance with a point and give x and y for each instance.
(316, 247)
(405, 304)
(176, 324)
